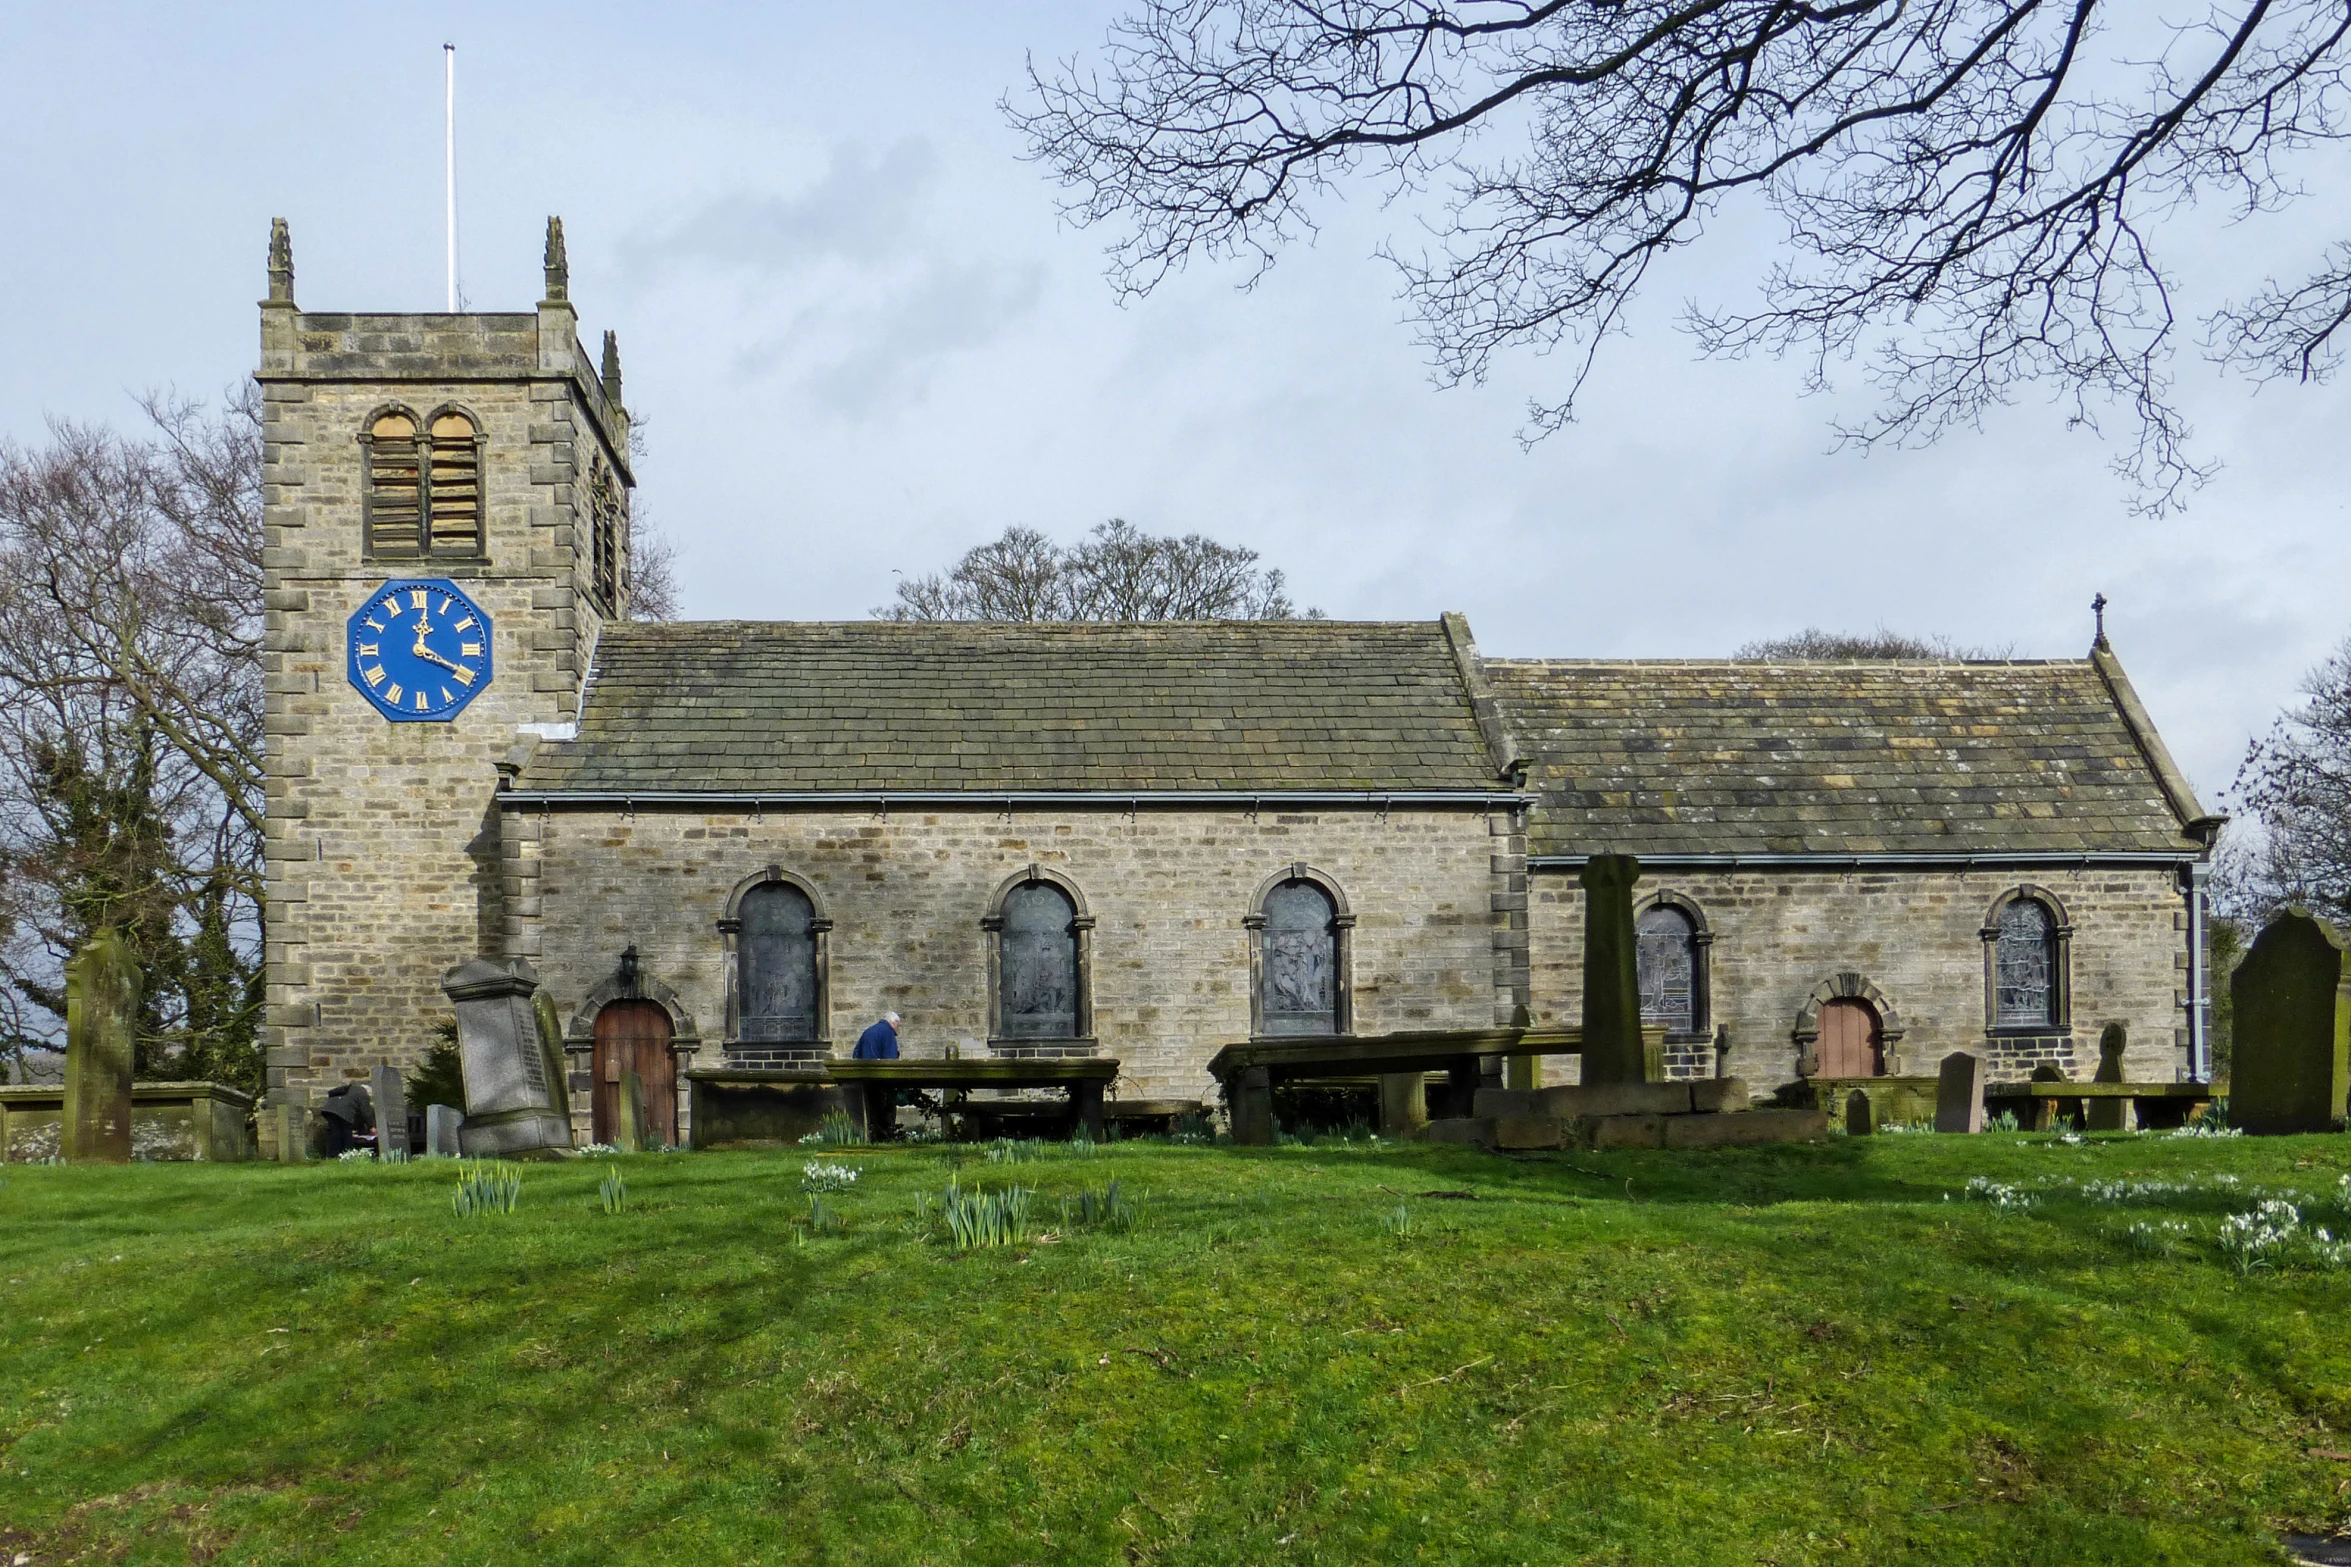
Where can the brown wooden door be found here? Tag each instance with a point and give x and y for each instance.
(633, 1036)
(1850, 1042)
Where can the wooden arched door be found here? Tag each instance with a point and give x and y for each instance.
(1852, 1041)
(633, 1036)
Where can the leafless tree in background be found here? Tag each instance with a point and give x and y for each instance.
(1971, 191)
(653, 554)
(1117, 572)
(2294, 791)
(131, 723)
(1813, 645)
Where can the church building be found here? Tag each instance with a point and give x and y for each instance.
(1140, 842)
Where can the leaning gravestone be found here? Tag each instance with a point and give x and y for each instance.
(510, 1106)
(1861, 1116)
(101, 1012)
(551, 1047)
(632, 1135)
(1959, 1093)
(441, 1126)
(391, 1097)
(2292, 1030)
(1612, 1044)
(2111, 1115)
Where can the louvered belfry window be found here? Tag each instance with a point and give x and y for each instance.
(424, 488)
(605, 527)
(395, 487)
(454, 487)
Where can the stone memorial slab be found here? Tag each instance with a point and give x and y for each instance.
(101, 1011)
(292, 1123)
(391, 1097)
(1614, 1050)
(551, 1047)
(510, 1100)
(441, 1126)
(1861, 1116)
(631, 1135)
(1959, 1093)
(2292, 998)
(2111, 1114)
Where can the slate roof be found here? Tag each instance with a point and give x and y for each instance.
(1908, 757)
(786, 707)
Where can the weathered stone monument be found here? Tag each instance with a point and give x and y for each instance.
(1959, 1093)
(2110, 1114)
(511, 1107)
(1614, 1051)
(291, 1124)
(631, 1134)
(441, 1126)
(551, 1047)
(101, 1015)
(391, 1097)
(1861, 1116)
(2292, 998)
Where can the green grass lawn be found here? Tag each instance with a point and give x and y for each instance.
(1820, 1354)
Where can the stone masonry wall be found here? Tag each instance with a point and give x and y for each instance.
(382, 841)
(1916, 937)
(907, 890)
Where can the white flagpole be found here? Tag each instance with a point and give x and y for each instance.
(449, 112)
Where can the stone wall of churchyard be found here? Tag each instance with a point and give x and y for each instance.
(1915, 938)
(906, 891)
(382, 837)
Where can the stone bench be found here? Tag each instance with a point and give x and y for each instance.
(1249, 1071)
(2172, 1103)
(1082, 1079)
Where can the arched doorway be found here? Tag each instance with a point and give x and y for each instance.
(633, 1036)
(1852, 1039)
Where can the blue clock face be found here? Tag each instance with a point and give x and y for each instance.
(419, 649)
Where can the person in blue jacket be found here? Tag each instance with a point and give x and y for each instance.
(880, 1042)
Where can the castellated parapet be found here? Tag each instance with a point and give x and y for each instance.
(382, 840)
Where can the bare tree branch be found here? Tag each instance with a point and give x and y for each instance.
(1118, 572)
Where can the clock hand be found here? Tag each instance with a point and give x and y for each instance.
(424, 652)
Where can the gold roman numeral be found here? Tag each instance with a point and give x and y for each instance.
(464, 625)
(423, 705)
(416, 597)
(446, 696)
(375, 676)
(369, 650)
(372, 626)
(391, 608)
(469, 650)
(392, 693)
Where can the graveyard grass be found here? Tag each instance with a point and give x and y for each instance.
(1788, 1355)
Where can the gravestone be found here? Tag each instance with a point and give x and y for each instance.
(2045, 1110)
(1614, 1051)
(101, 1012)
(391, 1097)
(1861, 1115)
(630, 1135)
(2292, 1004)
(1404, 1103)
(1959, 1093)
(510, 1103)
(441, 1126)
(293, 1132)
(2111, 1115)
(551, 1046)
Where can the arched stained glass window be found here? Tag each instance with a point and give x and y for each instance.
(1037, 960)
(1301, 977)
(776, 969)
(1668, 966)
(2025, 966)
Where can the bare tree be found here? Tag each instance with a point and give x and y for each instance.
(1815, 645)
(1970, 190)
(1118, 572)
(654, 593)
(2294, 791)
(131, 721)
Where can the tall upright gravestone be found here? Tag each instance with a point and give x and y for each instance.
(391, 1097)
(2292, 1003)
(2111, 1115)
(1959, 1093)
(1613, 1050)
(511, 1106)
(101, 1016)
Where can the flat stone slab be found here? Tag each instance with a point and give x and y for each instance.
(1745, 1128)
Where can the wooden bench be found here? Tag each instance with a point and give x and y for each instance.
(1250, 1070)
(872, 1086)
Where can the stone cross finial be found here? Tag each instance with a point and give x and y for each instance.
(612, 366)
(558, 264)
(281, 262)
(2098, 608)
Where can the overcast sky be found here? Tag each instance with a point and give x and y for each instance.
(862, 342)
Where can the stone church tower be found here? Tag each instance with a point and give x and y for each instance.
(480, 463)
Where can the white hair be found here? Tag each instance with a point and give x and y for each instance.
(889, 1017)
